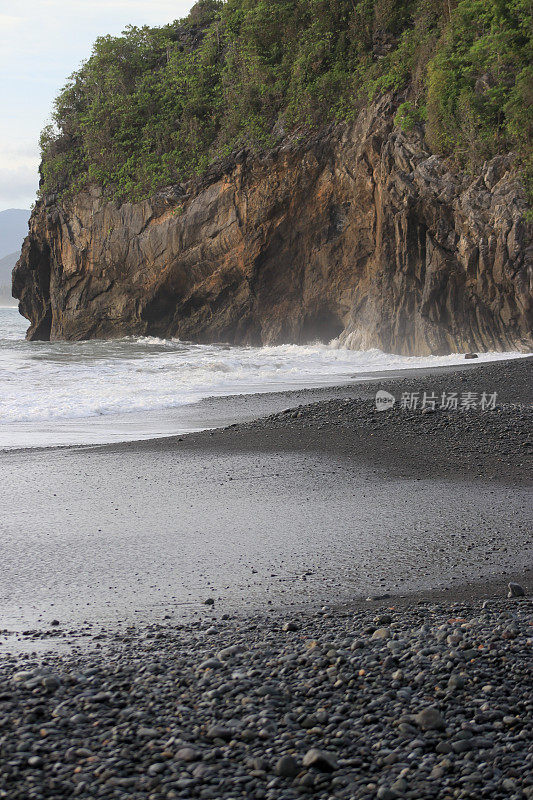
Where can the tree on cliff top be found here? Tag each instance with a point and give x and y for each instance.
(156, 106)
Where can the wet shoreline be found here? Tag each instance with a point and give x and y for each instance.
(367, 502)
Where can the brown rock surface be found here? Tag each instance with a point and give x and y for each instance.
(358, 232)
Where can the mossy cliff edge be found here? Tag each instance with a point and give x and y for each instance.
(345, 215)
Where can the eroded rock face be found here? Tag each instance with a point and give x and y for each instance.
(358, 233)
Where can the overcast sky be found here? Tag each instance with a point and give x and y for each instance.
(41, 43)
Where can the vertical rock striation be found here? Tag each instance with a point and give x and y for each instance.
(358, 234)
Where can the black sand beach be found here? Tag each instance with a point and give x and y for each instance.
(423, 701)
(310, 604)
(327, 503)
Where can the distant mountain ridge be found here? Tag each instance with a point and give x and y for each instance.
(13, 231)
(6, 268)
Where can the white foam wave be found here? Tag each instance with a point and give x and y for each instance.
(49, 381)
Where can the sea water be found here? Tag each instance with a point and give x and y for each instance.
(108, 390)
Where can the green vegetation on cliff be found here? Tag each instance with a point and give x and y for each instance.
(157, 105)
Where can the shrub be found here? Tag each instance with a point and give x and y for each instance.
(157, 105)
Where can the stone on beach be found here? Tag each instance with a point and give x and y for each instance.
(319, 759)
(227, 653)
(287, 767)
(430, 719)
(220, 732)
(456, 682)
(381, 633)
(279, 717)
(290, 626)
(187, 754)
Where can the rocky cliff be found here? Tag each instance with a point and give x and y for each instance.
(357, 233)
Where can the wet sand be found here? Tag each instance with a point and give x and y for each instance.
(211, 412)
(331, 503)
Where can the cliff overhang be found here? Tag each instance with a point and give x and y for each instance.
(355, 233)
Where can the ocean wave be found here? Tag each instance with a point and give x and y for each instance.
(42, 381)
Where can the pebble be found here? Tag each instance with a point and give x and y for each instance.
(319, 759)
(381, 633)
(187, 754)
(220, 732)
(290, 626)
(169, 713)
(430, 719)
(287, 767)
(455, 682)
(384, 793)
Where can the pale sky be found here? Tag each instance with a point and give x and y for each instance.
(41, 43)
